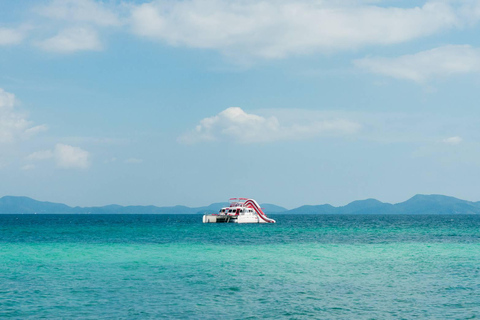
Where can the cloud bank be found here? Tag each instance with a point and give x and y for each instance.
(247, 29)
(234, 124)
(276, 29)
(237, 126)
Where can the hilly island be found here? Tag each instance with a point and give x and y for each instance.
(419, 204)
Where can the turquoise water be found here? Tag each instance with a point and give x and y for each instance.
(303, 267)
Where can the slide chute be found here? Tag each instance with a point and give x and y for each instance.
(250, 203)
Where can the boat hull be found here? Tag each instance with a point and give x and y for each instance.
(210, 218)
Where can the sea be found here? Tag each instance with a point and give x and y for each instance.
(302, 267)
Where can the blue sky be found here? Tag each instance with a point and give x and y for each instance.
(196, 101)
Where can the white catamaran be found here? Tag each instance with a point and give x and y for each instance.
(241, 210)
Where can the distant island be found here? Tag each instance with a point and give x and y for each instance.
(419, 204)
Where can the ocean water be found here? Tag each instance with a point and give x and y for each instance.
(303, 267)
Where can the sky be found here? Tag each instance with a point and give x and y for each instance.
(191, 102)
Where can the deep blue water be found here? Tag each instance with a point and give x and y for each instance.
(303, 267)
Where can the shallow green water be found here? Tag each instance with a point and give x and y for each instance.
(328, 267)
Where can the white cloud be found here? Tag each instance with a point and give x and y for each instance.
(268, 125)
(276, 29)
(453, 140)
(36, 130)
(239, 126)
(87, 11)
(71, 40)
(79, 22)
(7, 100)
(11, 36)
(423, 66)
(71, 157)
(65, 156)
(40, 155)
(14, 124)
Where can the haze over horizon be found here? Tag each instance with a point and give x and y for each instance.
(193, 102)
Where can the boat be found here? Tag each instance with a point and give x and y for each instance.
(240, 210)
